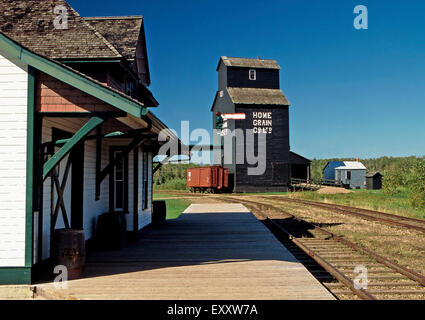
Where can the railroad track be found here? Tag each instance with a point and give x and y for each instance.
(371, 215)
(333, 259)
(389, 219)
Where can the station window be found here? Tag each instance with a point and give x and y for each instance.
(252, 75)
(119, 180)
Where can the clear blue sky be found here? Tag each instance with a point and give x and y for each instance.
(353, 93)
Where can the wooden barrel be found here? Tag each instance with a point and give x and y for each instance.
(159, 212)
(111, 231)
(69, 250)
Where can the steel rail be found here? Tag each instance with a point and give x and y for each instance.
(365, 210)
(361, 293)
(371, 217)
(412, 275)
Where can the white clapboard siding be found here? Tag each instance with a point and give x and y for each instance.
(92, 208)
(13, 142)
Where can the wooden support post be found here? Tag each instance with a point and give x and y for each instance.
(98, 160)
(39, 184)
(77, 137)
(136, 189)
(126, 184)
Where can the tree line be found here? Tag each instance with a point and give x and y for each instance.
(402, 175)
(382, 164)
(172, 176)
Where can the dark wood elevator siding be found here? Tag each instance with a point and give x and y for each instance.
(277, 172)
(266, 78)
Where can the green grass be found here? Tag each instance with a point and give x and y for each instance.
(175, 207)
(163, 196)
(276, 193)
(368, 199)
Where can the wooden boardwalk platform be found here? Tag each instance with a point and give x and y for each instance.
(213, 251)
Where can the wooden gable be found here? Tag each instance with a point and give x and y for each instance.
(53, 95)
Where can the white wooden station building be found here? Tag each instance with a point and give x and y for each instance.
(77, 136)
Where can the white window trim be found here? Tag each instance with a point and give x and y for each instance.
(255, 74)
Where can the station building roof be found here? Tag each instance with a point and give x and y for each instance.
(31, 23)
(122, 32)
(27, 33)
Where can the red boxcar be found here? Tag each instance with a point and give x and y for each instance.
(208, 179)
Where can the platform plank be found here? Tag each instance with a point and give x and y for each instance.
(213, 251)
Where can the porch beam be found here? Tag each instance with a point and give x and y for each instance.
(117, 134)
(67, 147)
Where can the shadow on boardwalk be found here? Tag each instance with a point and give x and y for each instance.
(201, 255)
(193, 239)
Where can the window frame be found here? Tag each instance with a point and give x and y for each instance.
(254, 72)
(112, 182)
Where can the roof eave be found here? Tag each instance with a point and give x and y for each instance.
(159, 125)
(145, 51)
(90, 60)
(219, 63)
(298, 155)
(215, 100)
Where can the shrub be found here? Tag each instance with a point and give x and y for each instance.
(175, 184)
(392, 181)
(417, 184)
